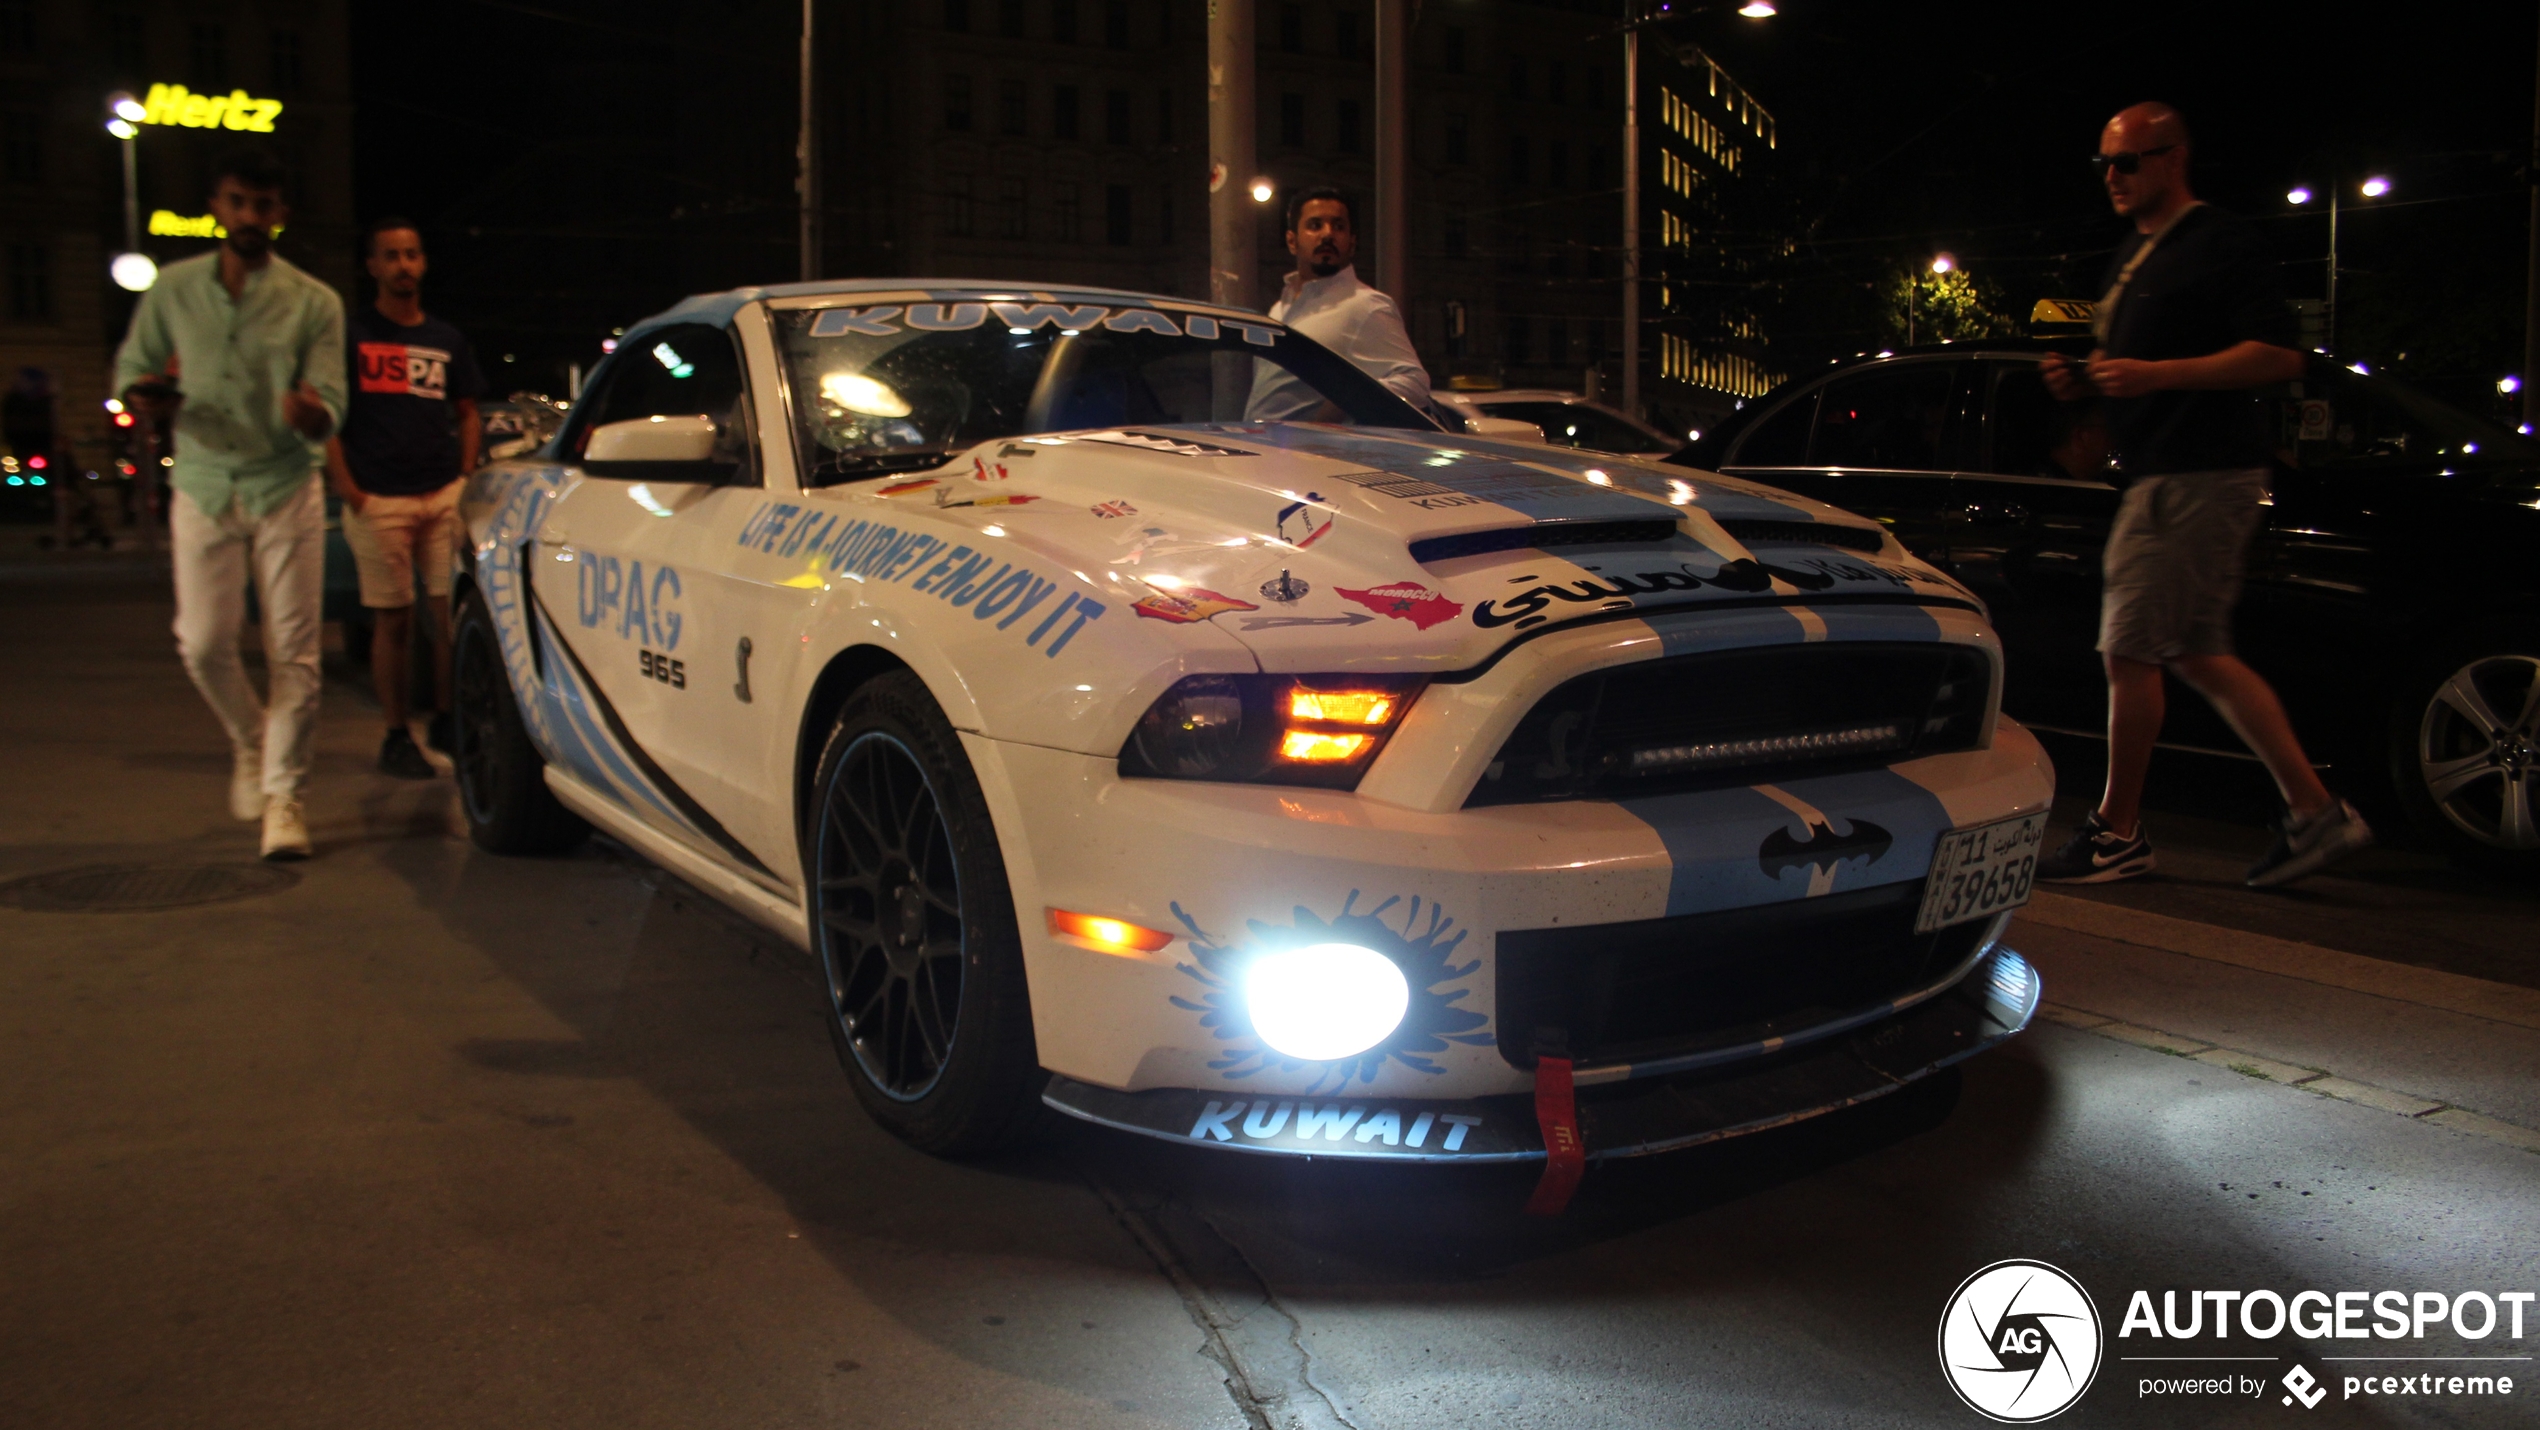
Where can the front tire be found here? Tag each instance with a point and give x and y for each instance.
(502, 777)
(2465, 753)
(921, 963)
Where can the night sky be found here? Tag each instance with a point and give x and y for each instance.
(1905, 129)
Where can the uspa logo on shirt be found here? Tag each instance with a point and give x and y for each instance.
(2019, 1341)
(404, 368)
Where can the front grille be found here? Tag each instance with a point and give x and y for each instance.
(1660, 987)
(1740, 717)
(1545, 535)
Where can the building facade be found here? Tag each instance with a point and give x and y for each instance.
(61, 173)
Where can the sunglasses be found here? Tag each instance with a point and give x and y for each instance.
(2126, 161)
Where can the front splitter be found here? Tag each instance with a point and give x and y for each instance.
(1621, 1119)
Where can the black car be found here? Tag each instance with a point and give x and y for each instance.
(2393, 592)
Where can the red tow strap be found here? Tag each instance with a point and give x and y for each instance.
(1565, 1152)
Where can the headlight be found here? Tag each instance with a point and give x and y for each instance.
(1325, 1001)
(1269, 729)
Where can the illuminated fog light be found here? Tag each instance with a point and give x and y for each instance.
(1325, 1001)
(1660, 759)
(1314, 747)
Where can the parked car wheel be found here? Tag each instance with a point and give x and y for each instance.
(2465, 752)
(914, 925)
(502, 777)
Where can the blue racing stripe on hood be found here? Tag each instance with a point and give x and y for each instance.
(1488, 472)
(1880, 828)
(1878, 623)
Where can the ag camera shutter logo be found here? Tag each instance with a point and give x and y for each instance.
(2019, 1342)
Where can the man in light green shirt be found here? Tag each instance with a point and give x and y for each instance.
(248, 351)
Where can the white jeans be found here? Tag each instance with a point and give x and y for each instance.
(286, 550)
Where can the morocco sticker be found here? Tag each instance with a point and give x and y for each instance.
(1198, 605)
(1405, 601)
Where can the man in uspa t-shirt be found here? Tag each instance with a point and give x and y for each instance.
(409, 437)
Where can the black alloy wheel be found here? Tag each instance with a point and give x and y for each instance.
(890, 917)
(502, 778)
(2467, 752)
(914, 926)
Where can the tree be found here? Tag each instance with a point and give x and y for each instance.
(1917, 305)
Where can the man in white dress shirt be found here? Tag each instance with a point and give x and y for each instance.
(1325, 300)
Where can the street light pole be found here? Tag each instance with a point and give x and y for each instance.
(131, 195)
(1631, 221)
(2329, 317)
(807, 160)
(1234, 232)
(1393, 35)
(2531, 277)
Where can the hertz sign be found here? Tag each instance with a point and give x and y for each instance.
(174, 104)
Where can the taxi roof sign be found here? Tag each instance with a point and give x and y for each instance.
(2063, 313)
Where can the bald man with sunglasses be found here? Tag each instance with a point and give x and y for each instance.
(2192, 323)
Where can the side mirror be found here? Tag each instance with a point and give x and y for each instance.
(1507, 429)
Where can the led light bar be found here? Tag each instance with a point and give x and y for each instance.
(1666, 759)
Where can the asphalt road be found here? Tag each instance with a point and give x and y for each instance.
(430, 1137)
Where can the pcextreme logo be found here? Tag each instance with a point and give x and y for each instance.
(2019, 1342)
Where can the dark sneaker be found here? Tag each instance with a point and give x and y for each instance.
(440, 732)
(2095, 855)
(2302, 849)
(398, 756)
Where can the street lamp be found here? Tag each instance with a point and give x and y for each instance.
(1263, 191)
(2299, 195)
(1944, 262)
(131, 269)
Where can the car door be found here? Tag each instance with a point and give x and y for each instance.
(653, 619)
(2030, 525)
(1879, 441)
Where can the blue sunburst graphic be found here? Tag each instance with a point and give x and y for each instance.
(1423, 949)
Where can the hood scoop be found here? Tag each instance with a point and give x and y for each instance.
(1655, 531)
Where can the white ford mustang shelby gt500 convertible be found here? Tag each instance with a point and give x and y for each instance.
(1136, 709)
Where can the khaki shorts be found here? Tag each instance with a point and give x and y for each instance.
(392, 537)
(2174, 561)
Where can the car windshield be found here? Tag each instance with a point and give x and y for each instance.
(1571, 424)
(2367, 421)
(890, 387)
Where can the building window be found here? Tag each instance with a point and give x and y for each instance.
(1011, 97)
(1063, 111)
(1519, 347)
(1164, 21)
(1071, 213)
(957, 16)
(1458, 239)
(1520, 160)
(127, 43)
(1010, 208)
(1556, 82)
(1517, 77)
(1556, 341)
(283, 56)
(1556, 163)
(1164, 116)
(1292, 120)
(1115, 215)
(1164, 216)
(30, 281)
(1292, 29)
(1115, 116)
(1459, 329)
(1459, 139)
(957, 102)
(1115, 24)
(1454, 51)
(1010, 19)
(1345, 34)
(17, 29)
(1063, 21)
(22, 148)
(959, 222)
(211, 57)
(1345, 136)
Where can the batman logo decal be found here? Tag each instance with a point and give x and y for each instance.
(1823, 851)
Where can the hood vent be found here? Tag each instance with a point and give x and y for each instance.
(1545, 536)
(1803, 533)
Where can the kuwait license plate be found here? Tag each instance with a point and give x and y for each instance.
(1981, 871)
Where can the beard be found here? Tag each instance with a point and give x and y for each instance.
(250, 243)
(1326, 261)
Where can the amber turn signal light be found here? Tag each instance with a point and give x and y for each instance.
(1107, 935)
(1317, 747)
(1342, 707)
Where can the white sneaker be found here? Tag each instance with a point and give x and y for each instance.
(247, 784)
(286, 830)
